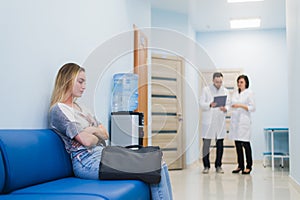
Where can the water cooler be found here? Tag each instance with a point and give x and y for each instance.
(126, 128)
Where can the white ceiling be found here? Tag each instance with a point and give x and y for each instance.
(214, 15)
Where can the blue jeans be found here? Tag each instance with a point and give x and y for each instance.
(86, 166)
(162, 190)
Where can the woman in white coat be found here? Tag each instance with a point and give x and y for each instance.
(240, 128)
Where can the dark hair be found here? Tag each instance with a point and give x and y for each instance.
(217, 74)
(246, 81)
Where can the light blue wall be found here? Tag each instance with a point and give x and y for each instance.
(171, 20)
(263, 57)
(293, 40)
(37, 37)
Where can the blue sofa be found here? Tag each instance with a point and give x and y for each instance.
(34, 165)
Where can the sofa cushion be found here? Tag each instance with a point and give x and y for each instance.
(2, 173)
(113, 190)
(31, 157)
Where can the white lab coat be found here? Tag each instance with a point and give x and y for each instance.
(240, 126)
(213, 119)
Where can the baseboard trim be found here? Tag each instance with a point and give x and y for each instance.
(295, 183)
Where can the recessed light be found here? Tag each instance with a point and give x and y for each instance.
(241, 1)
(245, 23)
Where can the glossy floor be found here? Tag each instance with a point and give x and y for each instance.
(261, 184)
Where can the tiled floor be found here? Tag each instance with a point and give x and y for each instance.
(261, 184)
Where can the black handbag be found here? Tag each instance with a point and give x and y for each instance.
(131, 163)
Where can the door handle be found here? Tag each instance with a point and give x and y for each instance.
(180, 118)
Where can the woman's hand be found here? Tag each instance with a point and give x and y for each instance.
(90, 136)
(99, 131)
(87, 139)
(235, 106)
(245, 107)
(103, 132)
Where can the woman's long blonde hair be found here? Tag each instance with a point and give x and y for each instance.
(64, 82)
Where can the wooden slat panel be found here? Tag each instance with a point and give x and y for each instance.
(172, 155)
(165, 140)
(164, 123)
(229, 143)
(163, 87)
(177, 164)
(162, 136)
(161, 70)
(229, 155)
(164, 105)
(170, 63)
(166, 144)
(227, 125)
(172, 158)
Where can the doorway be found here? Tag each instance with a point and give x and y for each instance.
(167, 108)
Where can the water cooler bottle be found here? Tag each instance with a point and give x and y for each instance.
(126, 128)
(125, 92)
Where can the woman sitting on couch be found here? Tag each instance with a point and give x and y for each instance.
(84, 137)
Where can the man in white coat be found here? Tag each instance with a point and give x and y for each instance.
(213, 121)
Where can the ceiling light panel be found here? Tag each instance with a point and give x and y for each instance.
(245, 23)
(242, 1)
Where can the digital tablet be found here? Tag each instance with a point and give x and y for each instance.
(220, 100)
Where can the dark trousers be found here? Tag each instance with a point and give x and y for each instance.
(206, 150)
(239, 145)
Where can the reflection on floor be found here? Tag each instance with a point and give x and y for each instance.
(261, 184)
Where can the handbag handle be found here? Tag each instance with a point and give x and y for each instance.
(134, 146)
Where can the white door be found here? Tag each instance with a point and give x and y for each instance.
(167, 107)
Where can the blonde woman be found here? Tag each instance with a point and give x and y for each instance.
(84, 137)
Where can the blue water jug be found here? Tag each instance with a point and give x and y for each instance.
(125, 92)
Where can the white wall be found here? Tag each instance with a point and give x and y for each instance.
(263, 57)
(37, 37)
(293, 40)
